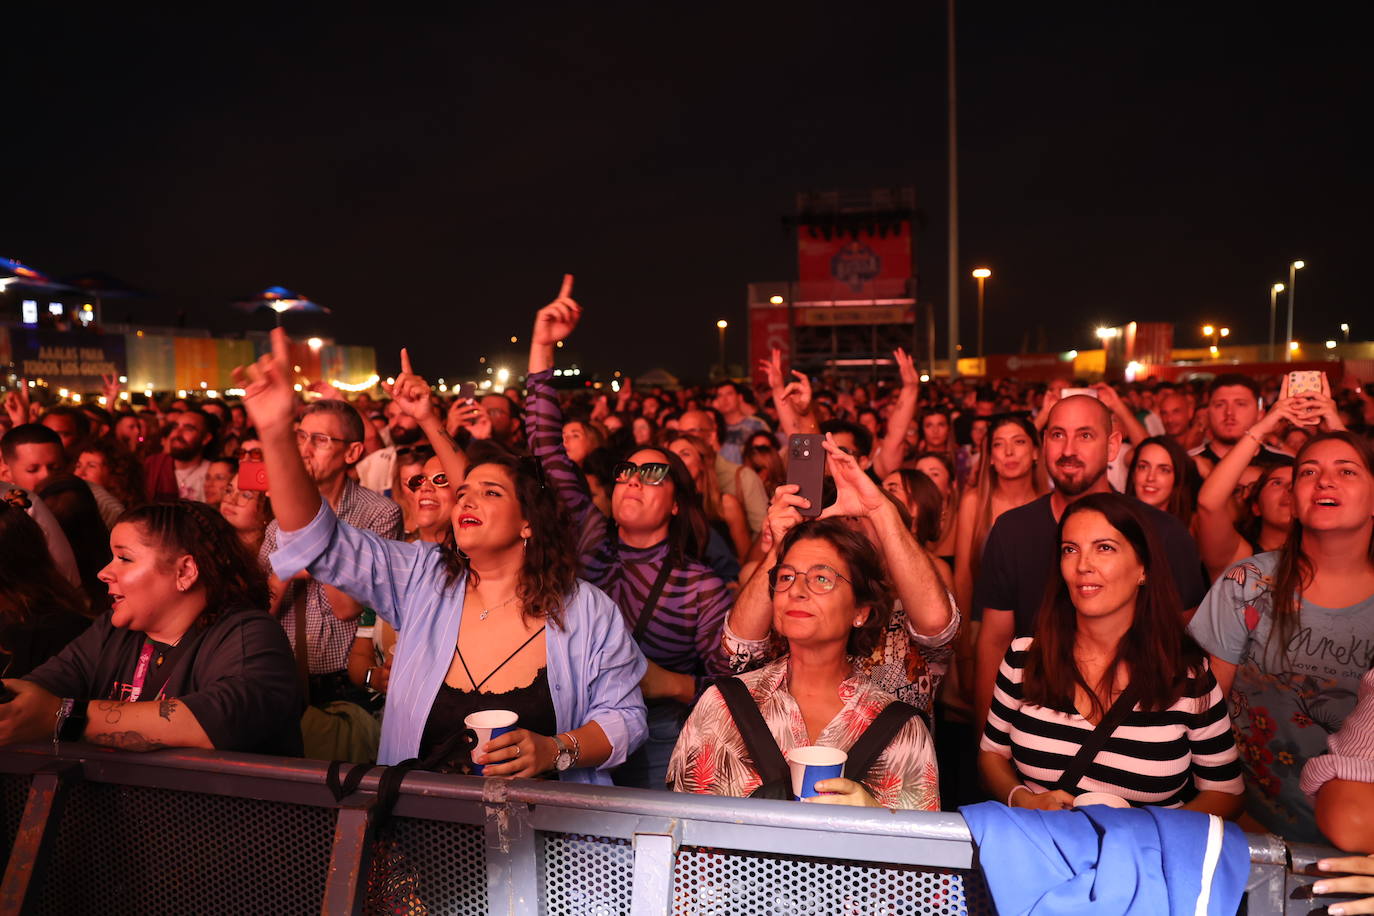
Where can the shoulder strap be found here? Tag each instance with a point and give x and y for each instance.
(302, 647)
(651, 602)
(759, 741)
(879, 734)
(1094, 743)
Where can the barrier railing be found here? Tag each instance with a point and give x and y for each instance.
(95, 830)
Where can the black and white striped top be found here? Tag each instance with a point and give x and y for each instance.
(1153, 758)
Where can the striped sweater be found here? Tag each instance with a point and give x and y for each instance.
(1161, 758)
(683, 632)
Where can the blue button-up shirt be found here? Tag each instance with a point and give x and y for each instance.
(594, 666)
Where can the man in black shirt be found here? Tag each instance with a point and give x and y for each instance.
(1233, 406)
(1021, 552)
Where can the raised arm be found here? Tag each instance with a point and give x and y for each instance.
(1131, 427)
(889, 457)
(745, 640)
(918, 585)
(792, 400)
(411, 395)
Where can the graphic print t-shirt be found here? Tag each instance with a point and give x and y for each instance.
(1285, 701)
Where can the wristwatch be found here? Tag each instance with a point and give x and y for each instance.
(568, 752)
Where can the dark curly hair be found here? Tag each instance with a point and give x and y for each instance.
(232, 578)
(866, 576)
(549, 572)
(30, 585)
(124, 477)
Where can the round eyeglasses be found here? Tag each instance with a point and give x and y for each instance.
(819, 579)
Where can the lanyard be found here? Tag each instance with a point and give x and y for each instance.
(145, 657)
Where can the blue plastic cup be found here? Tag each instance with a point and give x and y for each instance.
(487, 724)
(811, 764)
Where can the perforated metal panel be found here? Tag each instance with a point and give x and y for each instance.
(150, 851)
(710, 882)
(450, 861)
(14, 793)
(587, 875)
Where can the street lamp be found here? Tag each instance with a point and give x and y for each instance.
(1293, 269)
(981, 274)
(722, 324)
(1273, 302)
(1345, 329)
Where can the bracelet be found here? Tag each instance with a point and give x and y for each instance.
(576, 747)
(1013, 792)
(63, 711)
(1258, 440)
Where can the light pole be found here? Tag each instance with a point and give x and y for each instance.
(981, 274)
(1293, 269)
(722, 325)
(1273, 305)
(1345, 329)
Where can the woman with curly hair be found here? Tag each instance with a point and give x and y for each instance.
(185, 657)
(502, 622)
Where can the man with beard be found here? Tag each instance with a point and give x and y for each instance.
(1233, 406)
(180, 471)
(376, 470)
(330, 437)
(1022, 549)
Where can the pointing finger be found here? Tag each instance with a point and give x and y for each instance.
(405, 362)
(566, 291)
(281, 347)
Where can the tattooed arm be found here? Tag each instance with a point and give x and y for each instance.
(143, 726)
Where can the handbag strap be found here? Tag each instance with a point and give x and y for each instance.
(1094, 743)
(389, 785)
(762, 746)
(651, 602)
(865, 751)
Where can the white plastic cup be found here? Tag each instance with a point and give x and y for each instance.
(811, 764)
(1100, 798)
(487, 724)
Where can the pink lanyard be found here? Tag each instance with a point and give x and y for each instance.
(140, 672)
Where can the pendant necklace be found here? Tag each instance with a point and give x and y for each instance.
(483, 615)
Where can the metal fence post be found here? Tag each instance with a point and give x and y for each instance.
(350, 861)
(37, 834)
(655, 845)
(514, 880)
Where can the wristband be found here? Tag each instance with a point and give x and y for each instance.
(1013, 792)
(1258, 440)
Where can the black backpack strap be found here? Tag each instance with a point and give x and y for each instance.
(762, 746)
(1094, 743)
(879, 734)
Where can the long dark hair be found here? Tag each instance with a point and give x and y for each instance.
(1182, 501)
(923, 493)
(1252, 526)
(232, 578)
(30, 585)
(1294, 571)
(549, 570)
(1157, 651)
(866, 575)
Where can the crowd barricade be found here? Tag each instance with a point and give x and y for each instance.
(93, 830)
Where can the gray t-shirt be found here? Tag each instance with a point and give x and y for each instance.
(1284, 704)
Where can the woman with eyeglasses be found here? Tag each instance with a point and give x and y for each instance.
(817, 615)
(500, 622)
(643, 557)
(248, 513)
(410, 461)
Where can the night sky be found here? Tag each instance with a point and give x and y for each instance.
(430, 178)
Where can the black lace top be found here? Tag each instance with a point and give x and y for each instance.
(533, 703)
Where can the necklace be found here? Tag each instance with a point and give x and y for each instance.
(483, 615)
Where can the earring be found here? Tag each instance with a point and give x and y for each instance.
(858, 622)
(526, 543)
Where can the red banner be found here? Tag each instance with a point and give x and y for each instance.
(848, 266)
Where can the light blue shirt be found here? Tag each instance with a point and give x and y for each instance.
(594, 666)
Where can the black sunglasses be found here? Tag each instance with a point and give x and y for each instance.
(651, 473)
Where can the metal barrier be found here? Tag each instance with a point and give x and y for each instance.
(95, 830)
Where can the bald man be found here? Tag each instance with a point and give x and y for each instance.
(1022, 548)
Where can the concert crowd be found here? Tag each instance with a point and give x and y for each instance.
(977, 589)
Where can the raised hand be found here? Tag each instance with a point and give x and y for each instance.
(855, 492)
(772, 371)
(411, 392)
(268, 395)
(906, 368)
(556, 321)
(783, 515)
(17, 403)
(325, 390)
(471, 416)
(798, 393)
(112, 389)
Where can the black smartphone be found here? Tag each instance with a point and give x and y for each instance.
(467, 391)
(806, 468)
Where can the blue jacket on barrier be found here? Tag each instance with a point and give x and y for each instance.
(1106, 861)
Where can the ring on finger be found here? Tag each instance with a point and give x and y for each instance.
(517, 750)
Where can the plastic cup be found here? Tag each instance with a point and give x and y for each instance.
(811, 764)
(1100, 798)
(487, 724)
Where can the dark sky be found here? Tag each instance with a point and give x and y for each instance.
(430, 178)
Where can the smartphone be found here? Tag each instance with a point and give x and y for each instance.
(252, 475)
(1087, 392)
(1304, 381)
(467, 391)
(806, 468)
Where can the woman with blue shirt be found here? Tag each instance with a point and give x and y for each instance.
(499, 623)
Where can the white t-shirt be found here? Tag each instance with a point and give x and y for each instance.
(191, 482)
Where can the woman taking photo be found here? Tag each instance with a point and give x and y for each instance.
(1110, 695)
(503, 624)
(830, 603)
(642, 557)
(1162, 475)
(185, 657)
(1289, 631)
